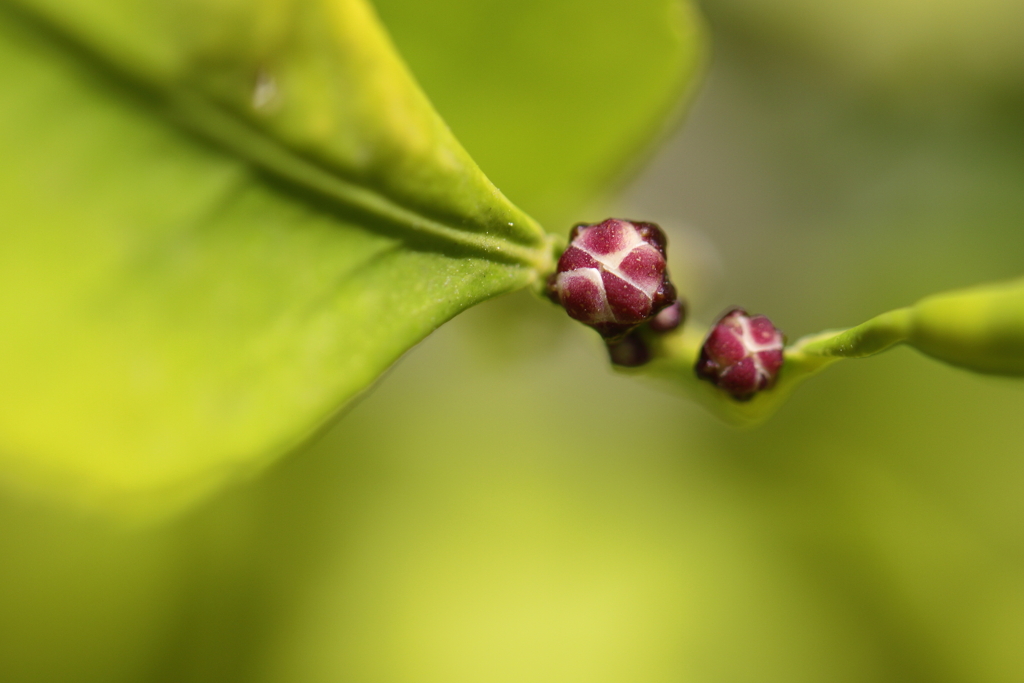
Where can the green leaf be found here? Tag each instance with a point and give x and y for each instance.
(564, 93)
(221, 221)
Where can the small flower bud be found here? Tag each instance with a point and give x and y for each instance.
(742, 354)
(670, 317)
(612, 276)
(629, 352)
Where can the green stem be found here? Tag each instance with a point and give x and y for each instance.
(874, 336)
(674, 357)
(979, 329)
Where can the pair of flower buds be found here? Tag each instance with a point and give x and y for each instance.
(613, 277)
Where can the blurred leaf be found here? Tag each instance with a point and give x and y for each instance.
(553, 97)
(220, 222)
(906, 47)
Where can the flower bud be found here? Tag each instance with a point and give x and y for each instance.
(612, 276)
(629, 352)
(742, 354)
(670, 317)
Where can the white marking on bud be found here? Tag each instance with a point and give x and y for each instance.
(594, 275)
(753, 347)
(613, 261)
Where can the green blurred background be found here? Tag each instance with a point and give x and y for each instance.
(502, 507)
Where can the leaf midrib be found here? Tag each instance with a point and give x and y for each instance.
(263, 151)
(197, 115)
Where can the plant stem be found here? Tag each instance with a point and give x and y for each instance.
(874, 336)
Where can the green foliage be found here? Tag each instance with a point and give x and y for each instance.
(904, 48)
(484, 514)
(553, 99)
(223, 220)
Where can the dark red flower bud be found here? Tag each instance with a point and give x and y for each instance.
(670, 317)
(629, 352)
(742, 354)
(612, 276)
